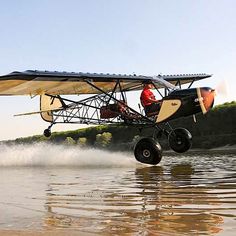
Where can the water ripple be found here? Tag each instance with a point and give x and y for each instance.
(185, 195)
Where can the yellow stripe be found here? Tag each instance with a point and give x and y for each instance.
(168, 108)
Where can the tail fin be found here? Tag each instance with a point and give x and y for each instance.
(48, 104)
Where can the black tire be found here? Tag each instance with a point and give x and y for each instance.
(180, 140)
(148, 151)
(47, 133)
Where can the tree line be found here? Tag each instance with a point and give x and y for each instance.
(215, 129)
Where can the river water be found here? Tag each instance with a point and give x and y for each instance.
(53, 188)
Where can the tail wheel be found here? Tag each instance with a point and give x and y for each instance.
(148, 151)
(180, 140)
(47, 133)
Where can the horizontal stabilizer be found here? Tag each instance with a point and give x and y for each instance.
(37, 112)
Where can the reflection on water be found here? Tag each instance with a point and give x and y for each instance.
(182, 196)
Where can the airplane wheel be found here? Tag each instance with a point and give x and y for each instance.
(47, 133)
(148, 151)
(180, 140)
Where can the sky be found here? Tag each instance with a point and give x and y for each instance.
(145, 37)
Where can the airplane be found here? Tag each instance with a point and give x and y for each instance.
(106, 103)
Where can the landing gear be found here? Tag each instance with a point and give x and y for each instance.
(47, 133)
(180, 140)
(148, 151)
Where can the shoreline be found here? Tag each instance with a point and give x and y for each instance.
(221, 150)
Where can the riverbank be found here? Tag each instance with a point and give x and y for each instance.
(219, 150)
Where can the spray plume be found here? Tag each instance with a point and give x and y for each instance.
(60, 155)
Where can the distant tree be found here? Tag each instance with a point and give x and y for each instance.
(104, 139)
(69, 141)
(82, 141)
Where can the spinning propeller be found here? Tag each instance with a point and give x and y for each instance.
(222, 89)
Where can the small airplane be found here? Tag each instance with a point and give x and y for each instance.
(106, 102)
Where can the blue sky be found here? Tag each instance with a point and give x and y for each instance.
(142, 36)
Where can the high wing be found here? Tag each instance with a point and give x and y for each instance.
(33, 82)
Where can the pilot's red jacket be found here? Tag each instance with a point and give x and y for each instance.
(145, 97)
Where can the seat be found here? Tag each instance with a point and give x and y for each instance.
(150, 114)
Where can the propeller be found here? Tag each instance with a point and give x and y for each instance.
(222, 89)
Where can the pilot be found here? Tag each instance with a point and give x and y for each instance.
(149, 102)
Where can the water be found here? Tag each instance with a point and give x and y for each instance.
(48, 188)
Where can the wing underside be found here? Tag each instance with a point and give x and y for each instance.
(64, 83)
